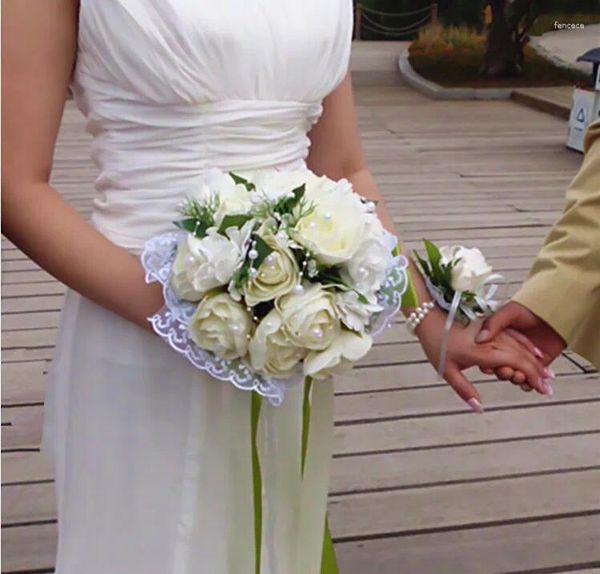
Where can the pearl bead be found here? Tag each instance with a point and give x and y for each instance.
(370, 206)
(327, 216)
(253, 254)
(282, 235)
(253, 272)
(298, 289)
(269, 324)
(312, 224)
(190, 259)
(235, 328)
(317, 333)
(270, 259)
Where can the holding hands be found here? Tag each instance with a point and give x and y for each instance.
(513, 344)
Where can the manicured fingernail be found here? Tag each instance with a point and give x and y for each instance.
(475, 405)
(538, 353)
(549, 373)
(482, 336)
(546, 388)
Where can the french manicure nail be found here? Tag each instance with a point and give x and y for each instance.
(549, 373)
(482, 336)
(538, 353)
(549, 390)
(475, 405)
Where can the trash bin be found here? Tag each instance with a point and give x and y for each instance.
(586, 102)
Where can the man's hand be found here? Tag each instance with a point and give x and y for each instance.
(517, 320)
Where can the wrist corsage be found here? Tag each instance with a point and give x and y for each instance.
(460, 281)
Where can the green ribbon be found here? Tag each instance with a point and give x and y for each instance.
(328, 560)
(256, 478)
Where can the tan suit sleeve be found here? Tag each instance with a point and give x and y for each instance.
(563, 287)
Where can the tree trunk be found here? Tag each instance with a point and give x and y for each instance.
(501, 53)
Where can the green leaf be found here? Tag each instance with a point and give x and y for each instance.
(288, 204)
(233, 221)
(433, 253)
(409, 299)
(422, 263)
(263, 250)
(241, 276)
(396, 251)
(193, 226)
(240, 180)
(361, 298)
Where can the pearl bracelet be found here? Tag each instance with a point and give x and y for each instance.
(417, 316)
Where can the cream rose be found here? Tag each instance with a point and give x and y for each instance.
(276, 275)
(334, 230)
(271, 351)
(309, 318)
(221, 325)
(339, 357)
(470, 273)
(203, 264)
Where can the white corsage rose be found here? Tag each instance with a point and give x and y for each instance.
(276, 275)
(203, 264)
(271, 351)
(221, 325)
(334, 230)
(339, 357)
(471, 272)
(367, 269)
(309, 318)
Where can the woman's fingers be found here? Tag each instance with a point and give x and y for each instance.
(517, 358)
(526, 342)
(505, 373)
(463, 388)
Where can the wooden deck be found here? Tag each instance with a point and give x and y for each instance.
(420, 485)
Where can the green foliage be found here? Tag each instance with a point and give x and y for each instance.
(199, 216)
(240, 180)
(237, 220)
(263, 250)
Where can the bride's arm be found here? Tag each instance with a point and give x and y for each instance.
(336, 151)
(38, 54)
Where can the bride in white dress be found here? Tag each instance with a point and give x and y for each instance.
(153, 459)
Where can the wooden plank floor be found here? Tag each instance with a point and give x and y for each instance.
(420, 485)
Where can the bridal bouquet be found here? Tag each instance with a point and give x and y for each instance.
(273, 277)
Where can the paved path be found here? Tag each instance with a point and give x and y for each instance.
(568, 45)
(420, 485)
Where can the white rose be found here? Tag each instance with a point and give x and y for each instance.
(367, 269)
(470, 272)
(271, 351)
(309, 318)
(203, 264)
(272, 184)
(339, 357)
(221, 325)
(334, 230)
(354, 313)
(276, 275)
(233, 200)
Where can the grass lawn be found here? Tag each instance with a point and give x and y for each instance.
(452, 57)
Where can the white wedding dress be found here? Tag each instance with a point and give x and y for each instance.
(153, 458)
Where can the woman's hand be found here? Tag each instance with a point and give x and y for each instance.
(464, 352)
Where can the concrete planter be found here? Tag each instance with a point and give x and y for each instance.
(438, 92)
